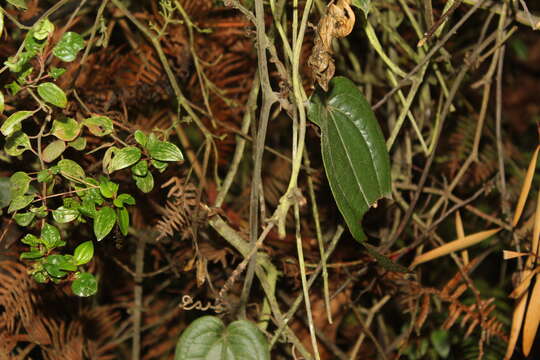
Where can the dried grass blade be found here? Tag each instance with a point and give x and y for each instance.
(517, 320)
(454, 246)
(509, 254)
(461, 234)
(532, 319)
(525, 188)
(524, 284)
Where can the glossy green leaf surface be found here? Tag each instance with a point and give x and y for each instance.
(24, 219)
(52, 94)
(83, 253)
(68, 46)
(50, 236)
(2, 104)
(64, 215)
(13, 122)
(104, 222)
(85, 285)
(123, 220)
(208, 339)
(163, 150)
(354, 152)
(124, 158)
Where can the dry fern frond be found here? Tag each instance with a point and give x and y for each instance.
(181, 209)
(15, 295)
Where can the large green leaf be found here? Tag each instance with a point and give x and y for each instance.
(208, 339)
(354, 153)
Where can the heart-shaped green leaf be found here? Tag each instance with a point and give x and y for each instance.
(208, 339)
(144, 183)
(52, 94)
(24, 219)
(20, 202)
(104, 222)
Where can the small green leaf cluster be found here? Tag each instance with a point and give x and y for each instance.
(60, 195)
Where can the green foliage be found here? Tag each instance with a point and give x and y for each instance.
(208, 338)
(88, 199)
(69, 46)
(354, 153)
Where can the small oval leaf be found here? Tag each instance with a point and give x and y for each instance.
(70, 169)
(123, 220)
(66, 129)
(99, 125)
(17, 143)
(124, 158)
(64, 215)
(104, 222)
(144, 183)
(164, 151)
(52, 94)
(13, 123)
(83, 253)
(50, 237)
(53, 150)
(85, 285)
(68, 46)
(207, 338)
(19, 183)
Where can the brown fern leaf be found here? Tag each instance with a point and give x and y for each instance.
(181, 209)
(15, 295)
